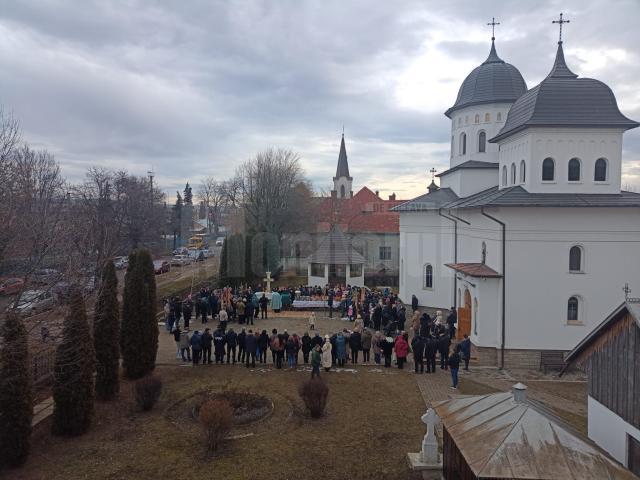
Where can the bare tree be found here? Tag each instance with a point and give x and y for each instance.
(216, 196)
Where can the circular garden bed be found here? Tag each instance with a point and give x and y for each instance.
(247, 407)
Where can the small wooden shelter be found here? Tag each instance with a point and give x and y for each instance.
(506, 436)
(610, 355)
(336, 262)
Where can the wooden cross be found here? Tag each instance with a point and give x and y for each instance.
(560, 22)
(268, 279)
(626, 291)
(493, 27)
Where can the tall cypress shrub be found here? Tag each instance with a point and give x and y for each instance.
(139, 327)
(106, 335)
(223, 271)
(16, 396)
(73, 387)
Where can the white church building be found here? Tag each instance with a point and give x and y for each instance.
(529, 234)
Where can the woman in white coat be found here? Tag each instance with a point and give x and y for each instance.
(326, 354)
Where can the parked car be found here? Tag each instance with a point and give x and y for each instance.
(219, 241)
(45, 276)
(11, 286)
(196, 255)
(35, 301)
(161, 266)
(207, 253)
(180, 260)
(181, 251)
(121, 262)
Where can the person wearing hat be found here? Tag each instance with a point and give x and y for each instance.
(386, 345)
(326, 354)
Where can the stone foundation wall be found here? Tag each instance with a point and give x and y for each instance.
(513, 358)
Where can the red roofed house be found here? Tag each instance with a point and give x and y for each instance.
(366, 221)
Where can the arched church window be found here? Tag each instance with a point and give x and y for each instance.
(574, 170)
(428, 276)
(523, 171)
(484, 253)
(575, 259)
(342, 191)
(477, 118)
(572, 309)
(487, 117)
(504, 176)
(463, 144)
(513, 174)
(499, 117)
(482, 142)
(548, 170)
(600, 173)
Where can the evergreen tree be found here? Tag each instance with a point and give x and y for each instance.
(106, 335)
(223, 271)
(139, 327)
(188, 195)
(16, 396)
(73, 387)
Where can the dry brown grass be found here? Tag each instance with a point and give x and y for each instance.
(372, 420)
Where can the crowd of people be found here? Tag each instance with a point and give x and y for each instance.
(378, 327)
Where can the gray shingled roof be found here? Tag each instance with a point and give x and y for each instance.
(563, 99)
(519, 197)
(343, 165)
(468, 165)
(495, 81)
(428, 201)
(336, 249)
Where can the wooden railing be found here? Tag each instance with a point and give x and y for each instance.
(42, 364)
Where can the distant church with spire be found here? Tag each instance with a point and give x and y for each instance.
(342, 182)
(529, 235)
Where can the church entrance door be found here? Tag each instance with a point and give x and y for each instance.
(464, 316)
(337, 275)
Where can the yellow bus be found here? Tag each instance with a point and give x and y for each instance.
(197, 242)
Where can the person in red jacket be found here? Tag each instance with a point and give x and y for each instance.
(402, 349)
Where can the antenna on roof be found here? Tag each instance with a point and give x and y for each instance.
(560, 22)
(493, 27)
(626, 291)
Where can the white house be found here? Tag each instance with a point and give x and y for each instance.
(529, 235)
(610, 355)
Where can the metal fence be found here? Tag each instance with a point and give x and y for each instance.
(42, 364)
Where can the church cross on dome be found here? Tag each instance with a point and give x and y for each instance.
(560, 22)
(493, 27)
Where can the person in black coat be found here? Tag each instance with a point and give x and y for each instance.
(206, 339)
(187, 308)
(377, 317)
(387, 350)
(241, 338)
(249, 311)
(306, 347)
(452, 319)
(263, 346)
(425, 325)
(443, 348)
(355, 342)
(402, 318)
(264, 301)
(430, 348)
(218, 345)
(417, 346)
(465, 351)
(204, 307)
(317, 340)
(250, 345)
(414, 303)
(231, 339)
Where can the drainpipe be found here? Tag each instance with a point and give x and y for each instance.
(455, 254)
(504, 281)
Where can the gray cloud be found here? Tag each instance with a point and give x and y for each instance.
(194, 88)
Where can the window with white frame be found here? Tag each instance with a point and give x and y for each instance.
(385, 253)
(523, 171)
(573, 309)
(600, 171)
(428, 276)
(513, 174)
(482, 142)
(575, 259)
(548, 170)
(573, 174)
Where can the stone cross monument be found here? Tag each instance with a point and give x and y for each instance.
(428, 459)
(268, 279)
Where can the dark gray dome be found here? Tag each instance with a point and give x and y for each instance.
(494, 81)
(562, 99)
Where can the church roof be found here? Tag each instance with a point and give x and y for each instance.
(429, 201)
(468, 165)
(564, 100)
(479, 270)
(500, 437)
(336, 249)
(494, 81)
(343, 164)
(519, 197)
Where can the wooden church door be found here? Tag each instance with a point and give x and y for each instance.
(464, 316)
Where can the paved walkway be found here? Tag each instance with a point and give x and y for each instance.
(42, 411)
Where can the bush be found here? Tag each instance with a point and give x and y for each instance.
(148, 391)
(216, 417)
(314, 394)
(16, 395)
(73, 384)
(106, 335)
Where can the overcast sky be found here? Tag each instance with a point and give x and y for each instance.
(193, 88)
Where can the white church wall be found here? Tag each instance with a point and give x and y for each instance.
(468, 181)
(425, 238)
(562, 144)
(539, 283)
(609, 430)
(463, 121)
